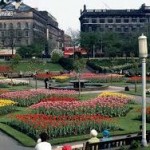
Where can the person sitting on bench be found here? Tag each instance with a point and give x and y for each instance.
(93, 135)
(106, 135)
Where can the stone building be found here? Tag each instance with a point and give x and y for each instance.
(21, 24)
(115, 20)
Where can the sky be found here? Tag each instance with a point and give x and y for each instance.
(67, 12)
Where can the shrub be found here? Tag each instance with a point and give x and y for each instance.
(66, 63)
(135, 145)
(56, 54)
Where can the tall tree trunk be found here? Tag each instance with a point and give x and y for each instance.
(79, 85)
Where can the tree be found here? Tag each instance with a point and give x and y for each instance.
(79, 65)
(11, 38)
(14, 62)
(75, 37)
(89, 41)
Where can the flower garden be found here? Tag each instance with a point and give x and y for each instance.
(61, 114)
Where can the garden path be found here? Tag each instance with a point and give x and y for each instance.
(8, 143)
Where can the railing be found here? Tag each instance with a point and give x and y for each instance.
(115, 143)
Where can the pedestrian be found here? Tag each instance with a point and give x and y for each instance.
(46, 82)
(42, 143)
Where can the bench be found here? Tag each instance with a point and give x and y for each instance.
(115, 144)
(13, 75)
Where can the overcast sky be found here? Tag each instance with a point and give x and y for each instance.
(67, 12)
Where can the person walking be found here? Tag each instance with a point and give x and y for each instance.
(42, 143)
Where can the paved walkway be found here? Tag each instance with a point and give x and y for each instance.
(7, 143)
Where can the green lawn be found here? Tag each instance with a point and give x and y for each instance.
(41, 66)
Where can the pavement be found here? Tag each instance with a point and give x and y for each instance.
(8, 143)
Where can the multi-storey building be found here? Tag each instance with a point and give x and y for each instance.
(21, 24)
(115, 20)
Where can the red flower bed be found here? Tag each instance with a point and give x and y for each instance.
(46, 75)
(54, 99)
(137, 79)
(44, 121)
(5, 69)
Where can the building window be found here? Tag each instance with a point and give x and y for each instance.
(142, 20)
(10, 26)
(110, 20)
(101, 29)
(118, 20)
(90, 29)
(94, 28)
(110, 29)
(102, 20)
(18, 40)
(126, 29)
(19, 33)
(27, 42)
(118, 29)
(26, 25)
(26, 33)
(2, 34)
(1, 25)
(134, 20)
(93, 20)
(11, 33)
(4, 25)
(19, 25)
(126, 20)
(85, 20)
(133, 29)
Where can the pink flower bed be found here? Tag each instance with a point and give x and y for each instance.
(32, 93)
(54, 99)
(100, 101)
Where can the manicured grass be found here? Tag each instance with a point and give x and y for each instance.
(40, 66)
(84, 97)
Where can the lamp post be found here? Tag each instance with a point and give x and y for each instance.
(143, 55)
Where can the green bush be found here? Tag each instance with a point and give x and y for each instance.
(66, 63)
(135, 145)
(56, 54)
(106, 65)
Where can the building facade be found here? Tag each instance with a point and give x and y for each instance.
(22, 25)
(120, 20)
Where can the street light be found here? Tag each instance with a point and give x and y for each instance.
(143, 55)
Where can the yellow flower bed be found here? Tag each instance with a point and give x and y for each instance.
(61, 78)
(112, 94)
(6, 102)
